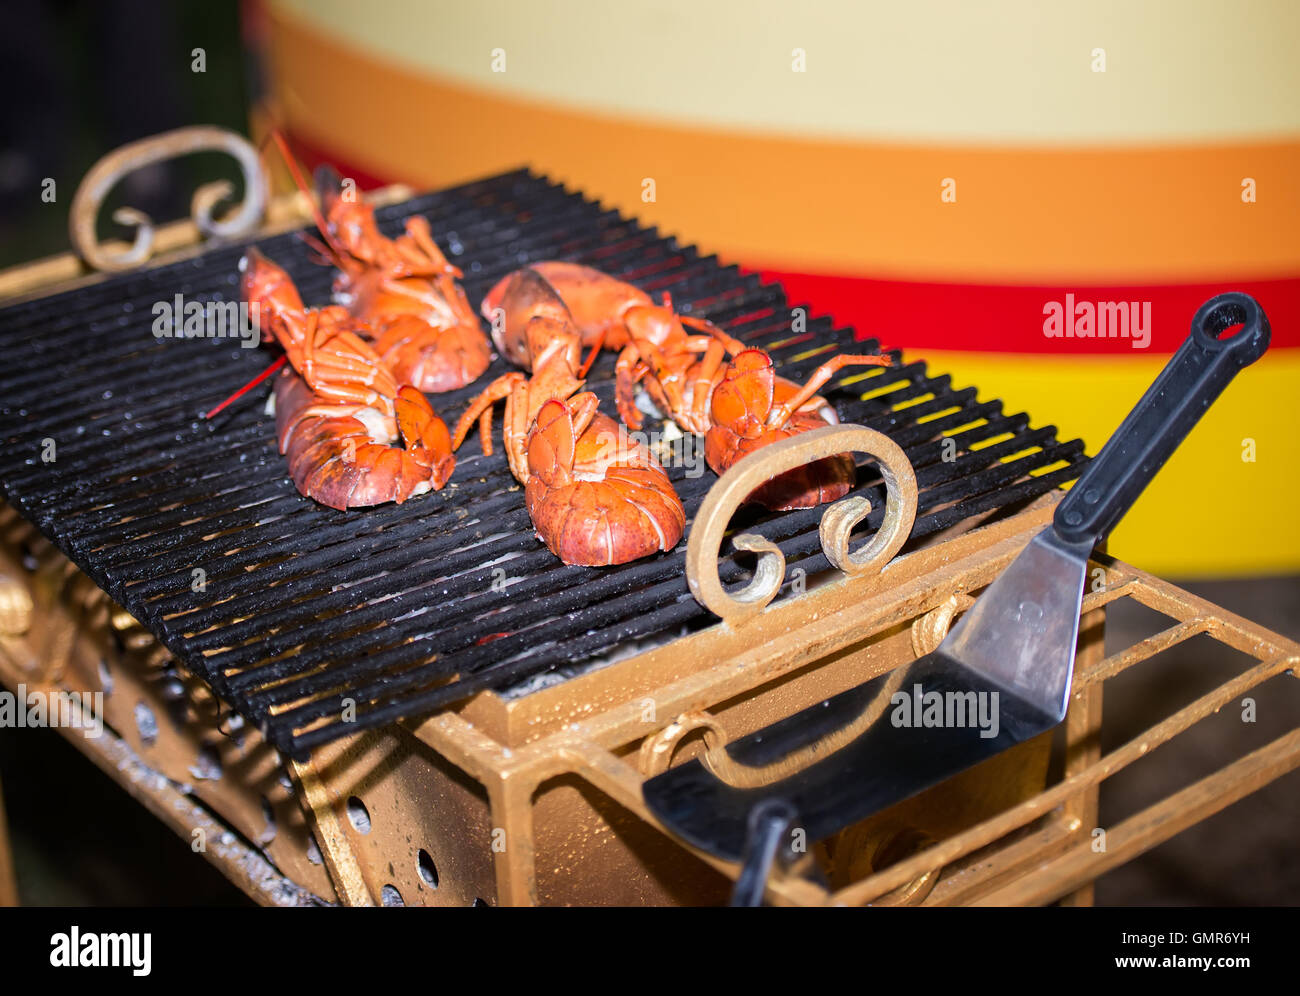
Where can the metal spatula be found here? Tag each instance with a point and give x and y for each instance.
(1001, 676)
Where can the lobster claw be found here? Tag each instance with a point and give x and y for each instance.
(744, 398)
(552, 445)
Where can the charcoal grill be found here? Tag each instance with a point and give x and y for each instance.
(429, 672)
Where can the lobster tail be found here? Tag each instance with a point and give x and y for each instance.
(334, 457)
(812, 484)
(595, 497)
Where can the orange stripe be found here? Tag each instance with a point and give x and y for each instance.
(1098, 215)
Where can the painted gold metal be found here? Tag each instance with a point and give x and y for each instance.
(868, 847)
(106, 173)
(657, 750)
(15, 607)
(929, 630)
(344, 869)
(216, 791)
(837, 523)
(613, 749)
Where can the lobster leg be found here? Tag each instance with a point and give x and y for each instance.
(481, 406)
(418, 229)
(485, 431)
(596, 346)
(514, 430)
(705, 380)
(629, 371)
(731, 343)
(781, 413)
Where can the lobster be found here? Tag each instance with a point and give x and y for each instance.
(403, 289)
(338, 409)
(595, 496)
(682, 373)
(751, 407)
(613, 314)
(425, 331)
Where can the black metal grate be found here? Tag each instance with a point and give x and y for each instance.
(402, 609)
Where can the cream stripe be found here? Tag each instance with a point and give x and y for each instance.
(925, 70)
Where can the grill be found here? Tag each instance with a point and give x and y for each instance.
(401, 611)
(541, 700)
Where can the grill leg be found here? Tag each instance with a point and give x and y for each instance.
(513, 849)
(1083, 741)
(340, 860)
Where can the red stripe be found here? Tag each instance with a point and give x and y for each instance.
(312, 155)
(1010, 319)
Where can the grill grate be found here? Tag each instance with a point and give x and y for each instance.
(406, 609)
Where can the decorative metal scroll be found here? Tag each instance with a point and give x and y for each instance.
(837, 523)
(106, 173)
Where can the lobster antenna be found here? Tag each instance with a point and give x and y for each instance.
(329, 249)
(782, 412)
(591, 357)
(248, 387)
(335, 250)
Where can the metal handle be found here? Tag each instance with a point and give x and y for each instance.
(1188, 385)
(759, 467)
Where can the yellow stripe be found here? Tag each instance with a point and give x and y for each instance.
(1208, 511)
(1019, 71)
(1126, 216)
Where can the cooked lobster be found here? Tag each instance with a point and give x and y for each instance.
(682, 374)
(338, 409)
(612, 314)
(596, 497)
(751, 407)
(425, 331)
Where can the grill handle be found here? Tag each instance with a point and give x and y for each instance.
(1188, 385)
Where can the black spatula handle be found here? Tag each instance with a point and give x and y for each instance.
(1186, 387)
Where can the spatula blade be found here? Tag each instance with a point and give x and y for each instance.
(1021, 632)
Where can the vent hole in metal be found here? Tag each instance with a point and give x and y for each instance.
(268, 814)
(428, 870)
(358, 815)
(389, 896)
(207, 766)
(146, 724)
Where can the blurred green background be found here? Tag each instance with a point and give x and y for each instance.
(83, 78)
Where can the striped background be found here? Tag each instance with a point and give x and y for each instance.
(1117, 185)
